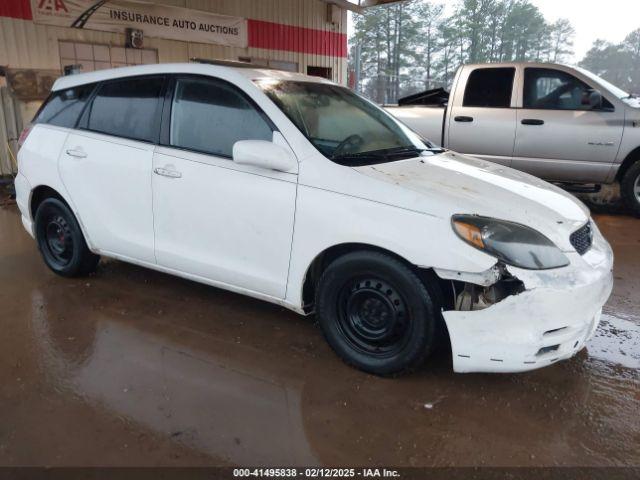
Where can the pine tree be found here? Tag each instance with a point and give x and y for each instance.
(410, 46)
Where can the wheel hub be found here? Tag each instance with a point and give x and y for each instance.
(373, 316)
(58, 238)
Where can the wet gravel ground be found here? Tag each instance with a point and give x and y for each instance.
(132, 367)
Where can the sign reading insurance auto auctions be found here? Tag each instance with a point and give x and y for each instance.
(155, 20)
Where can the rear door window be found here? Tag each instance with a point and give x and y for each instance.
(128, 108)
(490, 88)
(209, 116)
(64, 107)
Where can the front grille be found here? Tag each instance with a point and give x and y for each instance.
(582, 239)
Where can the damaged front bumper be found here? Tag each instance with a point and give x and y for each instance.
(551, 320)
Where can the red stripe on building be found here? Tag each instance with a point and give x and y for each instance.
(268, 35)
(276, 36)
(16, 9)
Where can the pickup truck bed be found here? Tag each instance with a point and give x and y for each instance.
(427, 121)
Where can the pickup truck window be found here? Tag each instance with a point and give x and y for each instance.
(490, 88)
(618, 92)
(341, 125)
(549, 89)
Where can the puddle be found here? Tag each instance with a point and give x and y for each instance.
(617, 341)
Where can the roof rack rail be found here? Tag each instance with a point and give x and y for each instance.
(230, 63)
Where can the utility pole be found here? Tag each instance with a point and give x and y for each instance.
(358, 52)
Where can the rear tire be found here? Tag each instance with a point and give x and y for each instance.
(376, 313)
(630, 188)
(60, 240)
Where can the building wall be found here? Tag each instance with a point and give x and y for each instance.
(24, 44)
(294, 31)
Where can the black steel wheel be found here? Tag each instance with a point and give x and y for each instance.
(376, 313)
(372, 316)
(60, 240)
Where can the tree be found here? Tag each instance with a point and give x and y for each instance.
(561, 36)
(408, 46)
(632, 46)
(431, 21)
(616, 63)
(448, 60)
(390, 40)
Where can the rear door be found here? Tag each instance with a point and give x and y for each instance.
(106, 163)
(482, 121)
(215, 219)
(560, 135)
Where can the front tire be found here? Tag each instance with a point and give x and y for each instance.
(376, 313)
(630, 188)
(60, 240)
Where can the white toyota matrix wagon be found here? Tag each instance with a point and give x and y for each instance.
(297, 191)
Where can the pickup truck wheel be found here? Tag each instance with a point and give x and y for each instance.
(60, 240)
(630, 188)
(376, 313)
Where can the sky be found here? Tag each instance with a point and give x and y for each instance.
(610, 20)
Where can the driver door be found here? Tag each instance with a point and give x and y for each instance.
(560, 136)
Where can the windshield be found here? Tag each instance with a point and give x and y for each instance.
(618, 92)
(343, 126)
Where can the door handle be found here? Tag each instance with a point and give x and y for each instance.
(532, 121)
(167, 173)
(78, 153)
(464, 119)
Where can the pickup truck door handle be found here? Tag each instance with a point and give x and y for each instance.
(78, 153)
(165, 172)
(532, 121)
(464, 119)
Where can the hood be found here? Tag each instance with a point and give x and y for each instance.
(633, 102)
(456, 184)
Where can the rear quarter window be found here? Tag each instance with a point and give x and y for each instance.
(128, 108)
(64, 107)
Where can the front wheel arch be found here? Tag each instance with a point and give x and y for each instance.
(431, 281)
(630, 188)
(631, 158)
(376, 312)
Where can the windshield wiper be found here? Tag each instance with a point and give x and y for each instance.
(359, 159)
(405, 151)
(381, 156)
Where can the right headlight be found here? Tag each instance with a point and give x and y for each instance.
(512, 243)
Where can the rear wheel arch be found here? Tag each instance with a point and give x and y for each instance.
(40, 194)
(60, 239)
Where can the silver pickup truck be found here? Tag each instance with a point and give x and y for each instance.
(560, 123)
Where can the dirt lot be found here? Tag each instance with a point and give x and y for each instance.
(132, 367)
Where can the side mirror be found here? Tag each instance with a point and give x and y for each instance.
(595, 100)
(263, 154)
